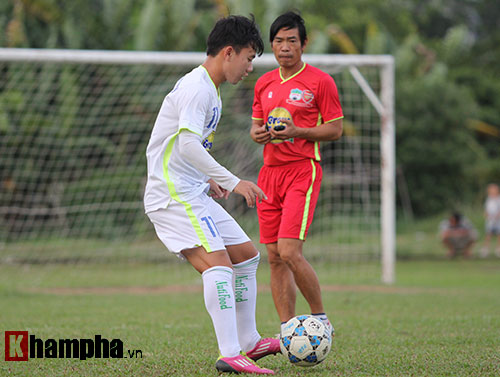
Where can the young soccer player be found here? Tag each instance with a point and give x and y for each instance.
(181, 173)
(492, 217)
(295, 107)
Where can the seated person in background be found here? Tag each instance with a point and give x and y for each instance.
(458, 235)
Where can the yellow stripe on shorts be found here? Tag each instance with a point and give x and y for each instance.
(308, 204)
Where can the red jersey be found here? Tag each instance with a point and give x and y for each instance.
(309, 98)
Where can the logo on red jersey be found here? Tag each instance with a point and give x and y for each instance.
(302, 98)
(295, 95)
(274, 118)
(307, 95)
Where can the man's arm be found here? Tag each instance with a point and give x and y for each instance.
(324, 132)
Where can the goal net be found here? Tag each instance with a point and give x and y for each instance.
(74, 126)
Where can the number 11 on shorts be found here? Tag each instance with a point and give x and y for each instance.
(209, 221)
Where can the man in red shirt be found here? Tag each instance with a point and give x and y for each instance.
(295, 107)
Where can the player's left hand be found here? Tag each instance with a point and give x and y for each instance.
(217, 191)
(290, 131)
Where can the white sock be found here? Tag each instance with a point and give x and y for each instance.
(282, 327)
(245, 290)
(219, 301)
(323, 318)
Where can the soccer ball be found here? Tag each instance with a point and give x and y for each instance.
(305, 341)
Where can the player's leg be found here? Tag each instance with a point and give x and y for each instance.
(245, 261)
(290, 251)
(245, 289)
(497, 249)
(220, 301)
(302, 191)
(485, 250)
(244, 258)
(269, 211)
(182, 226)
(202, 261)
(283, 286)
(217, 275)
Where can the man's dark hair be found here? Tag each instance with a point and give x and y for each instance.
(236, 31)
(457, 216)
(287, 21)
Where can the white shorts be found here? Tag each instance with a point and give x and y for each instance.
(199, 222)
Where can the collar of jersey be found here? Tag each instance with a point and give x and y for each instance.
(212, 81)
(292, 76)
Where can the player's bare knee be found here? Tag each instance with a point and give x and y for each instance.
(275, 260)
(292, 258)
(242, 252)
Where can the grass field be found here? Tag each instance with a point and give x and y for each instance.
(441, 318)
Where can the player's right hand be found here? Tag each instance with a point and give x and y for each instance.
(250, 191)
(259, 134)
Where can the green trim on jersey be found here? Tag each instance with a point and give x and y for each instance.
(212, 81)
(307, 205)
(292, 76)
(333, 120)
(185, 127)
(316, 143)
(317, 156)
(176, 197)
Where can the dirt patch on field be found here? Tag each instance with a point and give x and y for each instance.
(161, 290)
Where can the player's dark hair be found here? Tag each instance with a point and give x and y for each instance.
(236, 31)
(457, 216)
(287, 21)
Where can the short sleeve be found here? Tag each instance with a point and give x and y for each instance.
(192, 105)
(444, 226)
(328, 100)
(257, 112)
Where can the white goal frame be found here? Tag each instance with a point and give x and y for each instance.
(383, 103)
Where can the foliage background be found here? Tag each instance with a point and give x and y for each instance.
(447, 53)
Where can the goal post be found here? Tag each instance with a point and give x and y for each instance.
(74, 125)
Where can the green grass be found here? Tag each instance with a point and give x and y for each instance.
(439, 319)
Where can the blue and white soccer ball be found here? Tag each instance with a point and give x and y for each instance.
(305, 341)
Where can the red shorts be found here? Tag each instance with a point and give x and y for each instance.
(292, 192)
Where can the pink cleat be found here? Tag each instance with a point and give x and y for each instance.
(239, 364)
(264, 347)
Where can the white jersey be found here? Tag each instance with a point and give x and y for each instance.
(195, 105)
(492, 208)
